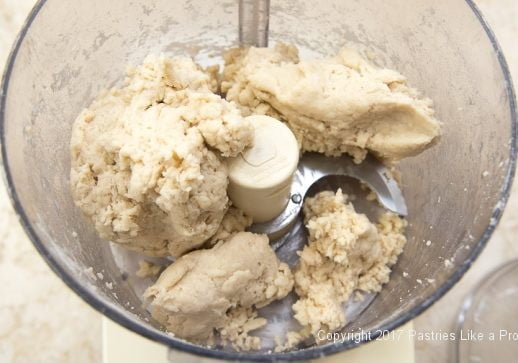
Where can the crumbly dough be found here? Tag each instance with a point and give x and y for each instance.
(234, 221)
(218, 289)
(335, 105)
(345, 253)
(146, 162)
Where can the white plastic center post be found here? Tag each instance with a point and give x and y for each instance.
(261, 177)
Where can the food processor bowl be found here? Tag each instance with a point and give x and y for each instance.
(70, 50)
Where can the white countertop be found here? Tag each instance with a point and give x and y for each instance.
(42, 320)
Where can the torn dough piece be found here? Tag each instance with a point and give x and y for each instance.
(142, 169)
(334, 105)
(345, 253)
(218, 289)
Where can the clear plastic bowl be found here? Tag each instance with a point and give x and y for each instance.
(486, 325)
(69, 50)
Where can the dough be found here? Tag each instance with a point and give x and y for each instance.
(146, 162)
(218, 289)
(234, 221)
(334, 105)
(148, 269)
(345, 253)
(147, 169)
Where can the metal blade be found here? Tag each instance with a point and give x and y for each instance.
(254, 16)
(314, 166)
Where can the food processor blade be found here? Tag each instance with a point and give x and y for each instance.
(313, 167)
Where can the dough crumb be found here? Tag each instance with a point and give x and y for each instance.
(234, 221)
(146, 162)
(241, 321)
(345, 253)
(336, 105)
(148, 269)
(292, 339)
(90, 273)
(214, 81)
(218, 289)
